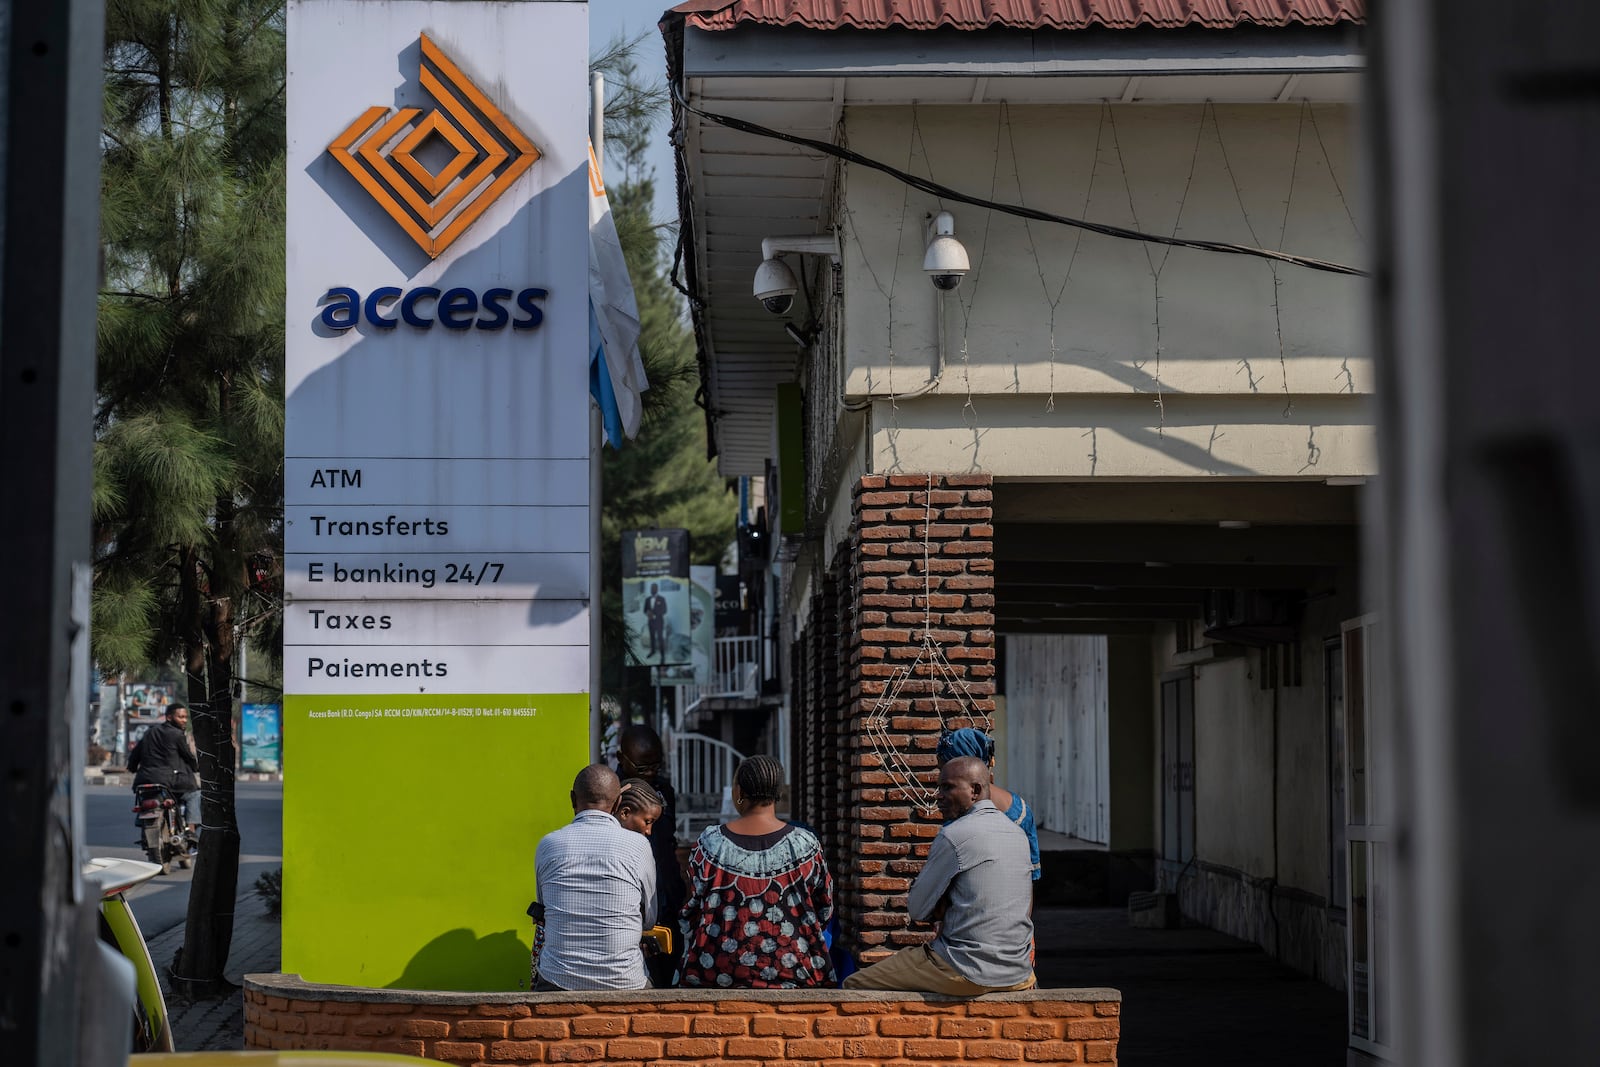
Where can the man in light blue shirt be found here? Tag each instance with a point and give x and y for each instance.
(597, 883)
(977, 882)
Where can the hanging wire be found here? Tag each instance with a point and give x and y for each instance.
(946, 193)
(1277, 282)
(1033, 245)
(1177, 222)
(1333, 175)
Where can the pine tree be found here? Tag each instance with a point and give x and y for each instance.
(188, 497)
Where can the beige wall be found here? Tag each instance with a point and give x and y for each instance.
(1249, 388)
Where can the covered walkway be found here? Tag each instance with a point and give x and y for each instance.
(1193, 997)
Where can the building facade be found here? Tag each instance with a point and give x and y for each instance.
(1098, 491)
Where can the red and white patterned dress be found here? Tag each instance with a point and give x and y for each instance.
(756, 911)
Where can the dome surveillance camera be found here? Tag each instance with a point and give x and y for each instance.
(946, 261)
(775, 286)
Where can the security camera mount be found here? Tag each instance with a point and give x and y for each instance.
(775, 283)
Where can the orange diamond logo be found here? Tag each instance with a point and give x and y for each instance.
(436, 206)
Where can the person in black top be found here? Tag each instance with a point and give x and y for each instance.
(640, 755)
(163, 757)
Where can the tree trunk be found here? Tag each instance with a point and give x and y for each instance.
(208, 933)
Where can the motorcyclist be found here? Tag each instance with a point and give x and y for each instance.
(163, 757)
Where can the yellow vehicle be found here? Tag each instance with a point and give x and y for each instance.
(119, 929)
(276, 1059)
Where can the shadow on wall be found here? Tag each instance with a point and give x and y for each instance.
(459, 961)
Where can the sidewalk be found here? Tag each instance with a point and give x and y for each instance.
(219, 1024)
(1193, 997)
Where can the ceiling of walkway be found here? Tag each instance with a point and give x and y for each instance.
(1123, 558)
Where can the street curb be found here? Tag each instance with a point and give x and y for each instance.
(93, 776)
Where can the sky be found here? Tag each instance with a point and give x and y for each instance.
(610, 18)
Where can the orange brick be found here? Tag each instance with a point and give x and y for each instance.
(933, 1050)
(517, 1051)
(293, 1024)
(545, 1029)
(1051, 1051)
(424, 1028)
(726, 1025)
(490, 1028)
(744, 1007)
(688, 1047)
(562, 1009)
(901, 1026)
(812, 1047)
(1108, 1007)
(943, 1007)
(994, 1011)
(467, 1051)
(806, 1009)
(341, 1007)
(1092, 1029)
(303, 1007)
(397, 1009)
(600, 1026)
(994, 1050)
(840, 1027)
(1030, 1030)
(871, 1048)
(1100, 1052)
(659, 1025)
(575, 1052)
(780, 1026)
(763, 1048)
(868, 1007)
(636, 1048)
(1058, 1009)
(966, 1028)
(684, 1008)
(503, 1011)
(277, 1004)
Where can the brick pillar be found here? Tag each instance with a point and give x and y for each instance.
(886, 834)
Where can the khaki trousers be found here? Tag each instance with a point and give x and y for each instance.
(919, 969)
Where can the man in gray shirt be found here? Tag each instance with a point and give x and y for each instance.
(597, 883)
(978, 883)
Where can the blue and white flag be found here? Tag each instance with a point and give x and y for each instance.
(616, 372)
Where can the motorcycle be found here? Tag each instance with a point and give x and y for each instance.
(163, 834)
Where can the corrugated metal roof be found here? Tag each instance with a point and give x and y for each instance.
(1020, 14)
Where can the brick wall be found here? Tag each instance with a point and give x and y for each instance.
(683, 1028)
(896, 595)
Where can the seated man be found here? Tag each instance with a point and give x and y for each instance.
(978, 882)
(597, 883)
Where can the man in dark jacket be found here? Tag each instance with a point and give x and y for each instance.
(163, 757)
(639, 755)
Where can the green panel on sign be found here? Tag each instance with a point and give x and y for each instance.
(409, 829)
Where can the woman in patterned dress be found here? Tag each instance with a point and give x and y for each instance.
(759, 896)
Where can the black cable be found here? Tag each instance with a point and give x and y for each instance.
(945, 192)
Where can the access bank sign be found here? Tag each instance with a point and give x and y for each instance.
(436, 637)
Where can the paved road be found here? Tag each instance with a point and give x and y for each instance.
(163, 902)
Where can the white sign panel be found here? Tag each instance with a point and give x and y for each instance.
(437, 469)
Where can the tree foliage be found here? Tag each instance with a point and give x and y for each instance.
(662, 477)
(188, 464)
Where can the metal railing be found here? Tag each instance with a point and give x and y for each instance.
(702, 770)
(735, 671)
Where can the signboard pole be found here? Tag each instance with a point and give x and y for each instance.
(597, 141)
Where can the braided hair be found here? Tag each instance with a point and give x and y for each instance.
(760, 779)
(639, 795)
